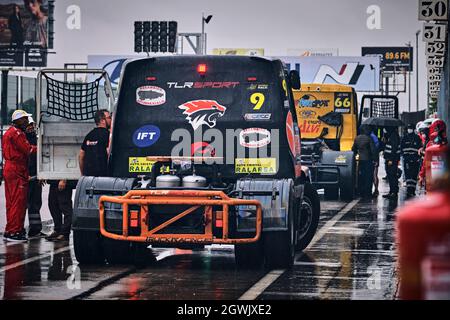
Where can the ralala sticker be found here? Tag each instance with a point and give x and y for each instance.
(202, 112)
(150, 96)
(257, 116)
(146, 136)
(256, 165)
(254, 138)
(142, 165)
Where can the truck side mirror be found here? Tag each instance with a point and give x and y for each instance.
(294, 78)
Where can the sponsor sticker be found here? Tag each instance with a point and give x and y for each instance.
(340, 159)
(308, 114)
(437, 167)
(203, 85)
(254, 138)
(257, 116)
(146, 136)
(202, 149)
(142, 165)
(256, 165)
(150, 96)
(258, 87)
(310, 101)
(202, 112)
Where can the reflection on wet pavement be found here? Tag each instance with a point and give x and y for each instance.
(354, 258)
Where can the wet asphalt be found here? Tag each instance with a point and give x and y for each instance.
(351, 257)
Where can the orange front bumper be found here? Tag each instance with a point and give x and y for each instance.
(196, 199)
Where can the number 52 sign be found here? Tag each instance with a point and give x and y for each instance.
(433, 10)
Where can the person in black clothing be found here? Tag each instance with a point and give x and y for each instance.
(34, 202)
(392, 150)
(61, 210)
(93, 157)
(365, 147)
(15, 25)
(410, 146)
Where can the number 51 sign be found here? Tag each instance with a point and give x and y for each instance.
(433, 10)
(433, 32)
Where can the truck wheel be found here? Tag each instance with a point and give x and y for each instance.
(331, 193)
(309, 217)
(142, 256)
(88, 247)
(347, 194)
(118, 251)
(279, 246)
(249, 256)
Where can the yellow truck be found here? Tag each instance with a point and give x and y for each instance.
(328, 120)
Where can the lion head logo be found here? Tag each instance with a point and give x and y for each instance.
(202, 112)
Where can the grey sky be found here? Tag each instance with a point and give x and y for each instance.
(107, 26)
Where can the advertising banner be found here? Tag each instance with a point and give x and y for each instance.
(362, 73)
(24, 26)
(239, 51)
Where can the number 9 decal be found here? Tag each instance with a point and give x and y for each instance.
(257, 99)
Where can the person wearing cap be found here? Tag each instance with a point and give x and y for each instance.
(16, 151)
(410, 146)
(34, 202)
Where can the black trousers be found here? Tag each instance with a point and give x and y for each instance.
(365, 177)
(60, 205)
(392, 171)
(34, 204)
(411, 172)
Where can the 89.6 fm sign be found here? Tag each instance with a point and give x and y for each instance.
(392, 58)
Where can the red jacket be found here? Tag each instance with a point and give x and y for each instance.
(16, 149)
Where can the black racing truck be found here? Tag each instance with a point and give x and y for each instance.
(204, 150)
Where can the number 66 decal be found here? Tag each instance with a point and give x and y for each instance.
(257, 99)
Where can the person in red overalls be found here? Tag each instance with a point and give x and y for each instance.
(16, 151)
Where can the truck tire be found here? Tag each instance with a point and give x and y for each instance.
(142, 256)
(88, 247)
(118, 252)
(249, 256)
(279, 246)
(348, 183)
(331, 193)
(309, 217)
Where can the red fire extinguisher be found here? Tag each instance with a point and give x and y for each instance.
(435, 164)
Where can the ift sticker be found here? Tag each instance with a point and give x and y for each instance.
(256, 165)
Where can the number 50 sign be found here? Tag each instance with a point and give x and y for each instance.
(433, 10)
